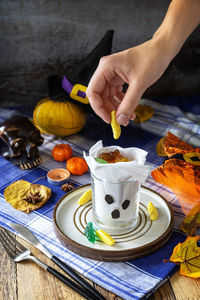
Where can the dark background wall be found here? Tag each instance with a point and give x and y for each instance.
(41, 38)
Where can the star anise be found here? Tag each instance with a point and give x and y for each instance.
(66, 187)
(33, 197)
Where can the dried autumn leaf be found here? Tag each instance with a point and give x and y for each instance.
(174, 145)
(182, 177)
(160, 149)
(191, 221)
(187, 254)
(19, 191)
(143, 113)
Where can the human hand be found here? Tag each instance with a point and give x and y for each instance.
(139, 67)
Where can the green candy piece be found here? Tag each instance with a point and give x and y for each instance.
(101, 161)
(89, 232)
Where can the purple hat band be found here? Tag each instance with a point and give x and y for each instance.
(68, 86)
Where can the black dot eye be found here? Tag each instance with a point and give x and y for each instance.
(115, 214)
(125, 204)
(109, 199)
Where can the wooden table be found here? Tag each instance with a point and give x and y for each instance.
(25, 280)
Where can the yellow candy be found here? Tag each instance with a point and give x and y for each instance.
(87, 196)
(153, 213)
(105, 237)
(115, 126)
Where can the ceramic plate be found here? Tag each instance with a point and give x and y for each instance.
(70, 220)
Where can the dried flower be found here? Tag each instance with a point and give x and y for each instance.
(66, 187)
(33, 197)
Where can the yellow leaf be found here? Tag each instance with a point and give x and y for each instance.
(16, 193)
(191, 221)
(160, 147)
(187, 254)
(143, 113)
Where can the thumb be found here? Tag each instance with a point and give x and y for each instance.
(126, 108)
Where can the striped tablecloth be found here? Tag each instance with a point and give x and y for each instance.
(134, 279)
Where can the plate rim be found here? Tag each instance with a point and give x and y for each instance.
(115, 255)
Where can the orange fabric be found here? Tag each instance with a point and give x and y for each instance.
(182, 177)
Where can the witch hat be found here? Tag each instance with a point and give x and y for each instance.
(77, 78)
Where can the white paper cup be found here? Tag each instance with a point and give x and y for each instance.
(115, 205)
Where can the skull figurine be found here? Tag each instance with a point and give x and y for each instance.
(22, 139)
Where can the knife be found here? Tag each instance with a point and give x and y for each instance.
(27, 235)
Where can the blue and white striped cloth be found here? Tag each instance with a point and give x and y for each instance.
(136, 279)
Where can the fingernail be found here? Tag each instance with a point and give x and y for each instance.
(122, 119)
(132, 117)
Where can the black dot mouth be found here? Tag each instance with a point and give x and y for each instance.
(115, 214)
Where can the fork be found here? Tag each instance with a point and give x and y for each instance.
(18, 253)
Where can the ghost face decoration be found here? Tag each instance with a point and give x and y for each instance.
(116, 206)
(22, 139)
(115, 214)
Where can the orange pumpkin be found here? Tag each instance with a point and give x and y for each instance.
(77, 165)
(61, 152)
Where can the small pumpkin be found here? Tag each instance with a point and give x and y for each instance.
(59, 118)
(62, 152)
(76, 165)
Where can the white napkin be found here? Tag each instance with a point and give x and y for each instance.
(121, 171)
